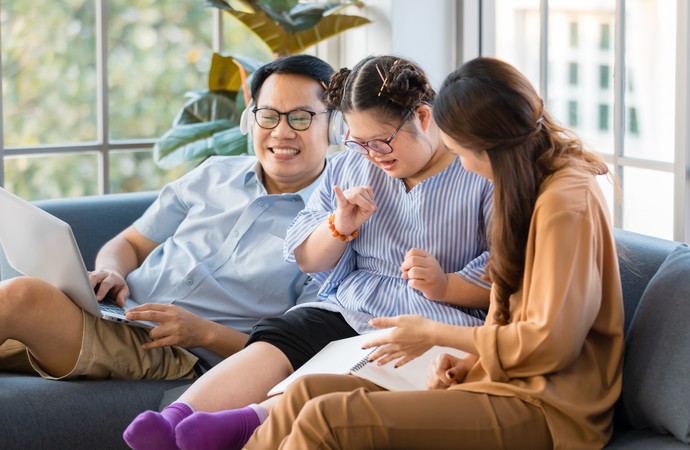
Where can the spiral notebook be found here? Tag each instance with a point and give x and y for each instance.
(346, 356)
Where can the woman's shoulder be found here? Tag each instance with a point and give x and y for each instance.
(569, 189)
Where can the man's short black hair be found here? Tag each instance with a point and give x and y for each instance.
(307, 65)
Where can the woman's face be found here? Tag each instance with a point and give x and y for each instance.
(478, 163)
(412, 150)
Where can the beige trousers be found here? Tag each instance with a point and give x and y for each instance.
(109, 350)
(347, 412)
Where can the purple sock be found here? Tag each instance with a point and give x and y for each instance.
(156, 430)
(228, 430)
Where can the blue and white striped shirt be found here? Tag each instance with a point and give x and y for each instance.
(445, 215)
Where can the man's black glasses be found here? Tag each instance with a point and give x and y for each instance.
(298, 119)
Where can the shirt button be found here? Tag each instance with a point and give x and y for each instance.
(211, 264)
(235, 233)
(189, 281)
(262, 203)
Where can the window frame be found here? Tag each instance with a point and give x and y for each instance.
(103, 146)
(681, 167)
(474, 35)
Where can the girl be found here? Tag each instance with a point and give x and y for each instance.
(544, 371)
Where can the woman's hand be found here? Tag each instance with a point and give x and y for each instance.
(411, 337)
(425, 274)
(355, 206)
(447, 370)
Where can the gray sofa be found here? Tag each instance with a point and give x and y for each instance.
(40, 414)
(36, 413)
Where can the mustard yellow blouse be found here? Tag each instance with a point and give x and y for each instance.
(563, 349)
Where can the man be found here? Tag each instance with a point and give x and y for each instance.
(204, 261)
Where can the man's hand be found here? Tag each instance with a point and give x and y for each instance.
(177, 326)
(111, 284)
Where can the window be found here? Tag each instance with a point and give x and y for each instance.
(604, 76)
(572, 73)
(88, 91)
(604, 117)
(633, 124)
(605, 36)
(574, 36)
(641, 145)
(572, 113)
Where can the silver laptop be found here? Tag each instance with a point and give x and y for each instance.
(42, 246)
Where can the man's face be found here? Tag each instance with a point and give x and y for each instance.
(291, 159)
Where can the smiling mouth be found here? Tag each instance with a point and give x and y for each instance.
(285, 151)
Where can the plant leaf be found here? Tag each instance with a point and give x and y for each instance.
(220, 4)
(328, 27)
(199, 140)
(334, 8)
(205, 106)
(283, 43)
(232, 142)
(279, 6)
(225, 75)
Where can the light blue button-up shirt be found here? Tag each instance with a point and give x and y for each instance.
(221, 239)
(445, 215)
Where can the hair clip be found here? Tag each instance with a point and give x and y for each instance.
(539, 120)
(383, 80)
(386, 78)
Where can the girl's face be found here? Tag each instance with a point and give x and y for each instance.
(472, 161)
(412, 151)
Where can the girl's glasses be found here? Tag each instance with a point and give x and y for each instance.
(377, 145)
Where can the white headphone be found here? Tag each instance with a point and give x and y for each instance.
(337, 128)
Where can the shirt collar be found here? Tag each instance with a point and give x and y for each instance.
(255, 172)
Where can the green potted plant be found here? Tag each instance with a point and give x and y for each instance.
(208, 123)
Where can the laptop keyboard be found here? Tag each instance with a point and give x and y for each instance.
(112, 308)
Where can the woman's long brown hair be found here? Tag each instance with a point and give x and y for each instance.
(488, 105)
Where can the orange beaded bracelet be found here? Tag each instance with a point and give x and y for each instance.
(335, 233)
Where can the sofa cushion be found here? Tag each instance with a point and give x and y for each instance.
(79, 414)
(656, 386)
(640, 257)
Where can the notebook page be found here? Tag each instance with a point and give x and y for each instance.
(338, 357)
(410, 377)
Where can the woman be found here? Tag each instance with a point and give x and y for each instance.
(544, 371)
(396, 227)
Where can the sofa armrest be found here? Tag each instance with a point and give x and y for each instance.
(639, 257)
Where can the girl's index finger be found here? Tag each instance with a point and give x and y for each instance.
(339, 196)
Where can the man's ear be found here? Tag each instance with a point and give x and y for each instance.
(423, 112)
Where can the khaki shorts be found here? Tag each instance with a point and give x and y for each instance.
(111, 350)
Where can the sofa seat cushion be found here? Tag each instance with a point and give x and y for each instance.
(631, 439)
(83, 414)
(656, 384)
